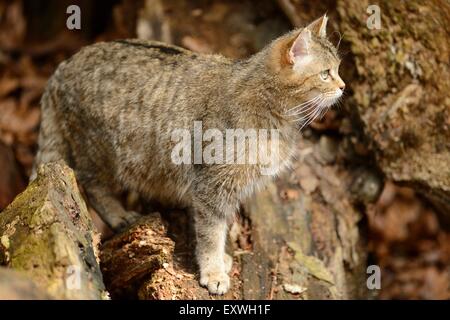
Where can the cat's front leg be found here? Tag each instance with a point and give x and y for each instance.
(211, 232)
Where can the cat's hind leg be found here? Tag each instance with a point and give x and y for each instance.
(109, 207)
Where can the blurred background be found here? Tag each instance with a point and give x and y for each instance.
(405, 220)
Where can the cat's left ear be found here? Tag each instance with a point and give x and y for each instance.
(319, 27)
(299, 50)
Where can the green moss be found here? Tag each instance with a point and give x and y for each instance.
(314, 266)
(41, 238)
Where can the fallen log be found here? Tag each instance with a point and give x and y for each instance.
(298, 239)
(128, 259)
(154, 260)
(47, 234)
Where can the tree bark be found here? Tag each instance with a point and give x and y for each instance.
(305, 232)
(400, 90)
(130, 258)
(48, 235)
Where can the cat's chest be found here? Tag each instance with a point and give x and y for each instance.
(257, 179)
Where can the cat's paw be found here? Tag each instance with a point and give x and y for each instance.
(228, 262)
(216, 282)
(120, 222)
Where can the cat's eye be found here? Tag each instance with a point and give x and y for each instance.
(325, 74)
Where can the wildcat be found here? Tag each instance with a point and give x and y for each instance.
(108, 112)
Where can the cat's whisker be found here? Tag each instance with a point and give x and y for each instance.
(311, 119)
(331, 98)
(330, 94)
(311, 112)
(339, 43)
(340, 104)
(306, 116)
(304, 104)
(322, 110)
(305, 110)
(299, 109)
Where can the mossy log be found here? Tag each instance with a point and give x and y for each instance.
(47, 234)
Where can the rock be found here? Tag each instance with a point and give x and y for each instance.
(366, 186)
(293, 288)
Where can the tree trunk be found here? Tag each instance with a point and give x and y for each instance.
(401, 90)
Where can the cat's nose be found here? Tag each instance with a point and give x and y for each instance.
(340, 83)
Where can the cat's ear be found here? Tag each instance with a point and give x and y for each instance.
(300, 47)
(319, 27)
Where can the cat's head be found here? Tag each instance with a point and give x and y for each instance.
(307, 64)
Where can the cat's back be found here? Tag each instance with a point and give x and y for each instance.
(127, 60)
(126, 53)
(108, 77)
